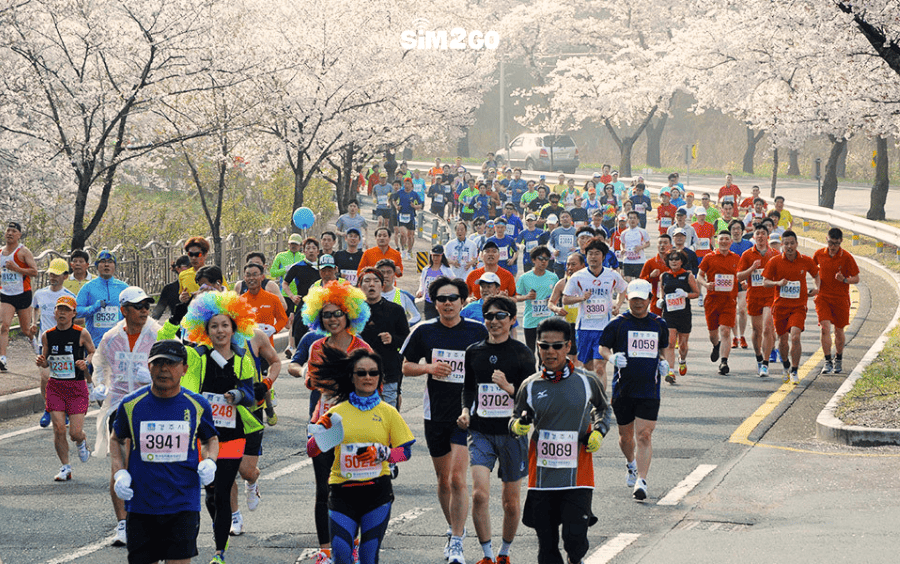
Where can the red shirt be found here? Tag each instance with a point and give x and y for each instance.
(665, 212)
(507, 282)
(794, 294)
(747, 203)
(373, 255)
(704, 232)
(652, 264)
(729, 191)
(721, 271)
(842, 262)
(755, 287)
(606, 179)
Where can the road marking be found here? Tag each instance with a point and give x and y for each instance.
(287, 470)
(12, 434)
(611, 548)
(684, 487)
(83, 551)
(406, 517)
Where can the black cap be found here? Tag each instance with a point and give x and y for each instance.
(15, 225)
(354, 230)
(437, 250)
(490, 245)
(171, 349)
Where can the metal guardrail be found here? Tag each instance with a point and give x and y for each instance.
(881, 232)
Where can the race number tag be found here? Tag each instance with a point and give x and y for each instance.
(349, 276)
(438, 199)
(493, 401)
(728, 199)
(106, 317)
(595, 308)
(557, 449)
(164, 441)
(13, 283)
(382, 200)
(639, 208)
(62, 366)
(405, 218)
(724, 282)
(223, 414)
(132, 364)
(504, 253)
(703, 244)
(529, 245)
(353, 468)
(540, 308)
(665, 222)
(643, 344)
(456, 360)
(675, 302)
(566, 241)
(756, 278)
(791, 290)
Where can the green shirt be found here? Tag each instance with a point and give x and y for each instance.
(283, 261)
(468, 196)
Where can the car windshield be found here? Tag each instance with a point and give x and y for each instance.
(558, 141)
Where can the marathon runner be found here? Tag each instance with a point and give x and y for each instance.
(283, 261)
(633, 242)
(837, 270)
(381, 251)
(98, 300)
(385, 332)
(347, 260)
(391, 293)
(462, 253)
(535, 288)
(759, 297)
(677, 287)
(78, 275)
(17, 266)
(718, 274)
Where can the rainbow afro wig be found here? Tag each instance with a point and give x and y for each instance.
(341, 293)
(210, 304)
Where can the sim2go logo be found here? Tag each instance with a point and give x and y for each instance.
(457, 38)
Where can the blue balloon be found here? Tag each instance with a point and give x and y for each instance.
(304, 218)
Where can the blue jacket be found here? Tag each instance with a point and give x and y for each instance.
(98, 304)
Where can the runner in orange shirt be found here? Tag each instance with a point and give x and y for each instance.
(787, 272)
(837, 270)
(759, 297)
(718, 274)
(665, 213)
(705, 233)
(381, 250)
(653, 269)
(730, 192)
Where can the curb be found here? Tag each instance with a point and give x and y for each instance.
(831, 429)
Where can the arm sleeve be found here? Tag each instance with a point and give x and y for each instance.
(521, 405)
(83, 308)
(401, 453)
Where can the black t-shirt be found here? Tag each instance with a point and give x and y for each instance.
(304, 275)
(346, 260)
(511, 357)
(168, 299)
(387, 317)
(551, 210)
(434, 341)
(579, 214)
(63, 350)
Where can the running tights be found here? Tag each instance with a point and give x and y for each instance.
(218, 499)
(371, 528)
(322, 468)
(574, 541)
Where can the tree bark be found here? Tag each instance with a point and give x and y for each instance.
(830, 180)
(774, 171)
(880, 188)
(654, 141)
(626, 143)
(842, 162)
(462, 145)
(886, 49)
(752, 142)
(794, 167)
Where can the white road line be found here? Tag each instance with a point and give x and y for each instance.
(406, 517)
(83, 551)
(38, 427)
(677, 493)
(287, 470)
(611, 548)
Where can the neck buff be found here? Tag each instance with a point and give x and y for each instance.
(557, 376)
(364, 403)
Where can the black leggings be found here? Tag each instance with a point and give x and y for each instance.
(322, 468)
(574, 541)
(218, 499)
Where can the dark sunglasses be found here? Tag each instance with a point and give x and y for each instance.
(195, 255)
(501, 315)
(336, 314)
(542, 257)
(364, 373)
(447, 298)
(555, 346)
(141, 306)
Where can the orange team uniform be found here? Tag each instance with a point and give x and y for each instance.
(665, 215)
(705, 234)
(747, 203)
(616, 240)
(833, 299)
(789, 307)
(372, 255)
(655, 263)
(729, 193)
(758, 296)
(270, 314)
(434, 171)
(507, 282)
(720, 303)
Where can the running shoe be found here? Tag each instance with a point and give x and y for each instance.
(714, 355)
(794, 378)
(682, 368)
(486, 560)
(323, 557)
(503, 559)
(447, 546)
(274, 399)
(272, 420)
(83, 453)
(631, 477)
(744, 343)
(218, 559)
(828, 368)
(253, 498)
(456, 555)
(734, 343)
(773, 356)
(640, 490)
(670, 377)
(838, 365)
(2, 364)
(723, 368)
(237, 524)
(288, 353)
(121, 538)
(763, 370)
(65, 474)
(45, 419)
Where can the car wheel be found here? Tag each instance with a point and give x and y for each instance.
(529, 164)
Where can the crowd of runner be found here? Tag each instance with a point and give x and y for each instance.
(185, 400)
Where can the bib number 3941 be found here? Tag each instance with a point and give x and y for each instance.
(557, 449)
(164, 441)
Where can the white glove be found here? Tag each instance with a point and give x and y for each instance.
(207, 471)
(660, 302)
(122, 485)
(681, 293)
(267, 329)
(98, 393)
(619, 360)
(142, 376)
(663, 367)
(238, 395)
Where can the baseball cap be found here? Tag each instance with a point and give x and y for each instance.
(679, 231)
(700, 211)
(133, 295)
(614, 173)
(639, 288)
(490, 245)
(489, 278)
(499, 220)
(104, 255)
(437, 250)
(295, 238)
(597, 175)
(592, 190)
(681, 211)
(354, 230)
(691, 194)
(623, 217)
(15, 225)
(774, 238)
(530, 217)
(169, 349)
(326, 261)
(543, 177)
(552, 218)
(382, 173)
(507, 169)
(66, 301)
(58, 266)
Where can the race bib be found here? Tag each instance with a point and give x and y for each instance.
(530, 245)
(353, 468)
(13, 283)
(456, 360)
(349, 276)
(223, 414)
(132, 364)
(665, 222)
(62, 366)
(382, 200)
(557, 449)
(724, 282)
(504, 253)
(728, 199)
(596, 308)
(493, 401)
(164, 441)
(566, 241)
(703, 244)
(106, 317)
(643, 344)
(756, 278)
(405, 218)
(675, 303)
(791, 290)
(540, 308)
(438, 199)
(632, 255)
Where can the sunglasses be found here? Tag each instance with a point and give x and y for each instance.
(447, 298)
(542, 257)
(195, 255)
(555, 346)
(141, 306)
(364, 373)
(337, 314)
(501, 315)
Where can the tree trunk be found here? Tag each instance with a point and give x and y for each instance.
(390, 165)
(794, 167)
(830, 182)
(752, 141)
(408, 153)
(654, 140)
(842, 162)
(774, 171)
(882, 181)
(462, 145)
(625, 157)
(626, 144)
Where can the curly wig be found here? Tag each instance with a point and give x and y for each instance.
(341, 293)
(210, 304)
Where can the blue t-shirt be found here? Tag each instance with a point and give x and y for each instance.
(164, 428)
(405, 201)
(482, 205)
(301, 356)
(513, 225)
(439, 197)
(419, 187)
(508, 244)
(642, 340)
(99, 320)
(678, 202)
(518, 187)
(382, 196)
(739, 247)
(538, 309)
(530, 240)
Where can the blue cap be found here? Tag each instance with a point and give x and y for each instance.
(104, 255)
(543, 177)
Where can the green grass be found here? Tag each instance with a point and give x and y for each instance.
(879, 385)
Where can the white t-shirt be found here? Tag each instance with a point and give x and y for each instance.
(596, 312)
(462, 251)
(45, 300)
(631, 238)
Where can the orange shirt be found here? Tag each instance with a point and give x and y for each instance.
(748, 203)
(270, 314)
(705, 232)
(373, 255)
(652, 264)
(842, 262)
(755, 287)
(794, 294)
(721, 271)
(665, 215)
(507, 282)
(732, 192)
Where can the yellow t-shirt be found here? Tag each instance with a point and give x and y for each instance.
(559, 188)
(381, 424)
(786, 219)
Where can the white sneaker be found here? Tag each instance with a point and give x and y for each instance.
(322, 557)
(83, 453)
(65, 473)
(253, 498)
(455, 555)
(237, 524)
(449, 537)
(631, 478)
(763, 370)
(121, 538)
(640, 490)
(794, 378)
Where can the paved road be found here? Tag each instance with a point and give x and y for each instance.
(774, 496)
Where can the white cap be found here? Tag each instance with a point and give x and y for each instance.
(489, 277)
(700, 210)
(552, 219)
(639, 288)
(530, 217)
(133, 295)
